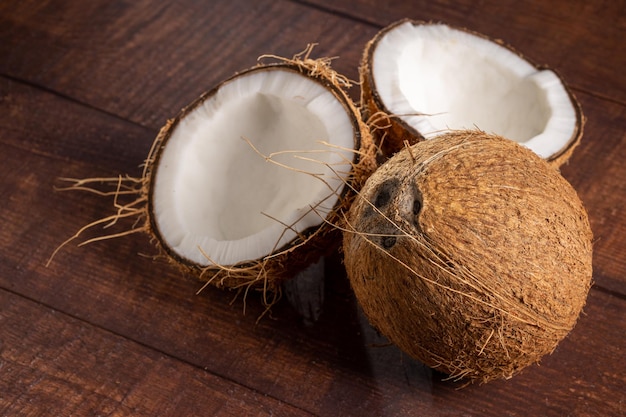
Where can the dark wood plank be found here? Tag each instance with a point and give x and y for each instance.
(63, 127)
(86, 86)
(53, 364)
(67, 48)
(583, 40)
(46, 124)
(333, 366)
(598, 173)
(144, 60)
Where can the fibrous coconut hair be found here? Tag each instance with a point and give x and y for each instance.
(470, 253)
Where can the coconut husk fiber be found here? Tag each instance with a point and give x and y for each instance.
(470, 253)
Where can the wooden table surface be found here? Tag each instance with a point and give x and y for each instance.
(104, 330)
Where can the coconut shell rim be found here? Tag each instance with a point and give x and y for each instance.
(367, 80)
(160, 142)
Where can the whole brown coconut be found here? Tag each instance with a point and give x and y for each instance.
(470, 253)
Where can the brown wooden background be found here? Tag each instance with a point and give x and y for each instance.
(85, 86)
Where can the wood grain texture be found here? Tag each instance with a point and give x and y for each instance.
(577, 38)
(177, 49)
(104, 330)
(113, 376)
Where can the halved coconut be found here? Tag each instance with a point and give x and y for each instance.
(244, 184)
(432, 78)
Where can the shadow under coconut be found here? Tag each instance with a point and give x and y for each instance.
(329, 312)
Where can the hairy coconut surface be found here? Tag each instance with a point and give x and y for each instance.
(470, 253)
(431, 78)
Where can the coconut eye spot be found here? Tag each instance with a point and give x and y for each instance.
(241, 172)
(388, 242)
(417, 207)
(384, 193)
(382, 198)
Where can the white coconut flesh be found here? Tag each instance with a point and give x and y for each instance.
(437, 78)
(218, 201)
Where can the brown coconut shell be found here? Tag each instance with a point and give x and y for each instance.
(391, 132)
(470, 253)
(284, 262)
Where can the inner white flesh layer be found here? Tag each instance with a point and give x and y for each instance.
(217, 200)
(438, 78)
